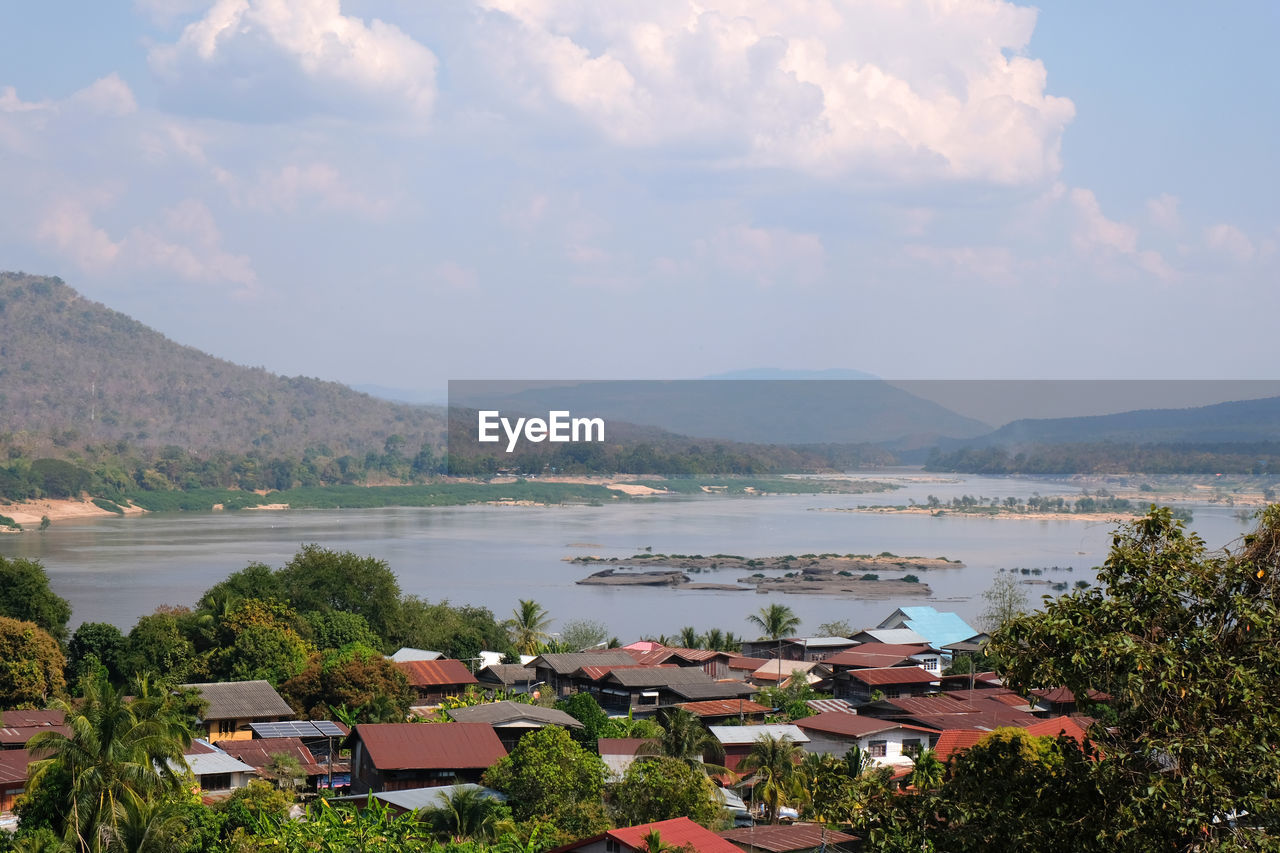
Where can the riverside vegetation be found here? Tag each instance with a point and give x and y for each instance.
(1181, 758)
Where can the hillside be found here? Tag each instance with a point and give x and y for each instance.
(76, 373)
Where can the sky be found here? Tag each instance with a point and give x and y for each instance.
(401, 193)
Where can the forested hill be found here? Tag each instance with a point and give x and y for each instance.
(74, 373)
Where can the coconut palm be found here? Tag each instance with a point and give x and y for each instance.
(714, 640)
(653, 843)
(685, 739)
(776, 621)
(928, 771)
(528, 626)
(773, 761)
(148, 826)
(465, 814)
(689, 638)
(118, 752)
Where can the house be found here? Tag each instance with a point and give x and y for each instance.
(937, 627)
(217, 773)
(406, 654)
(18, 727)
(884, 741)
(1059, 701)
(713, 711)
(260, 753)
(13, 776)
(513, 720)
(953, 742)
(892, 636)
(861, 686)
(870, 655)
(783, 672)
(678, 832)
(557, 670)
(798, 648)
(640, 689)
(511, 677)
(233, 706)
(738, 740)
(950, 711)
(619, 753)
(398, 756)
(434, 680)
(796, 838)
(715, 664)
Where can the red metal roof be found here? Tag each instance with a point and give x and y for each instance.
(743, 662)
(430, 746)
(783, 839)
(620, 745)
(893, 675)
(258, 753)
(13, 766)
(436, 673)
(18, 727)
(724, 707)
(1055, 726)
(955, 741)
(677, 832)
(851, 725)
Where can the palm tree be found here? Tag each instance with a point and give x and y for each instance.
(776, 621)
(653, 843)
(689, 638)
(928, 771)
(714, 640)
(118, 752)
(773, 760)
(685, 739)
(528, 626)
(466, 813)
(148, 826)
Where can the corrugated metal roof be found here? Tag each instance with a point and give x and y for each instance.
(893, 675)
(723, 707)
(898, 636)
(436, 673)
(620, 745)
(500, 713)
(677, 832)
(508, 673)
(699, 691)
(407, 654)
(13, 766)
(429, 746)
(210, 763)
(821, 706)
(939, 628)
(658, 676)
(877, 654)
(783, 839)
(25, 719)
(850, 725)
(749, 734)
(242, 700)
(563, 664)
(259, 753)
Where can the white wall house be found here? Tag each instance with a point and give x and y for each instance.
(884, 741)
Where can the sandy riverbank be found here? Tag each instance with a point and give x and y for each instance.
(29, 513)
(1106, 517)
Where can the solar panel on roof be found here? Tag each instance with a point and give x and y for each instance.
(296, 728)
(328, 729)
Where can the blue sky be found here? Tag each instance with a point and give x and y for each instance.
(402, 193)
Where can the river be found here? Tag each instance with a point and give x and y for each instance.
(117, 569)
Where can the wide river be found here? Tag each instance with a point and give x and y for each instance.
(117, 569)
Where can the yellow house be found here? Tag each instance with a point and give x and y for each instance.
(235, 705)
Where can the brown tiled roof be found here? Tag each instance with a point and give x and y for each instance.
(242, 700)
(893, 675)
(429, 746)
(724, 707)
(258, 753)
(436, 673)
(850, 725)
(783, 839)
(563, 664)
(620, 745)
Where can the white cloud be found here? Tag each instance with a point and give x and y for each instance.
(1230, 241)
(108, 96)
(68, 227)
(1163, 211)
(889, 89)
(271, 59)
(987, 264)
(1104, 238)
(766, 255)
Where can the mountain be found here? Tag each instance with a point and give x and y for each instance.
(762, 412)
(74, 372)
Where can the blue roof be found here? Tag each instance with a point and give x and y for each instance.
(938, 628)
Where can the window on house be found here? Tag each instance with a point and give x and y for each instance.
(877, 748)
(611, 846)
(216, 782)
(892, 692)
(911, 746)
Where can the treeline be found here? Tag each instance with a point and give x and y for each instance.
(1257, 458)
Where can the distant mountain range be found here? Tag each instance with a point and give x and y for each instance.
(73, 372)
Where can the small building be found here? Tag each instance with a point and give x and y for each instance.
(890, 636)
(950, 711)
(860, 686)
(678, 833)
(738, 740)
(511, 677)
(217, 773)
(435, 680)
(784, 672)
(416, 799)
(234, 706)
(644, 689)
(398, 756)
(875, 655)
(260, 753)
(798, 648)
(619, 753)
(18, 727)
(513, 720)
(884, 741)
(795, 838)
(557, 670)
(713, 711)
(13, 776)
(939, 628)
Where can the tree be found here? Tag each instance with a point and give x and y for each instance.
(528, 626)
(256, 580)
(157, 645)
(776, 621)
(690, 638)
(584, 708)
(467, 813)
(25, 595)
(1186, 644)
(1005, 600)
(31, 664)
(838, 628)
(546, 772)
(257, 641)
(460, 633)
(928, 771)
(773, 761)
(94, 647)
(656, 788)
(118, 753)
(579, 634)
(337, 628)
(684, 738)
(355, 677)
(323, 580)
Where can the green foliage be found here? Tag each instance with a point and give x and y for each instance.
(256, 580)
(547, 773)
(584, 708)
(321, 580)
(791, 699)
(467, 813)
(657, 788)
(337, 628)
(25, 595)
(257, 641)
(158, 645)
(31, 664)
(253, 806)
(579, 634)
(460, 632)
(776, 621)
(528, 626)
(684, 738)
(356, 678)
(94, 646)
(773, 760)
